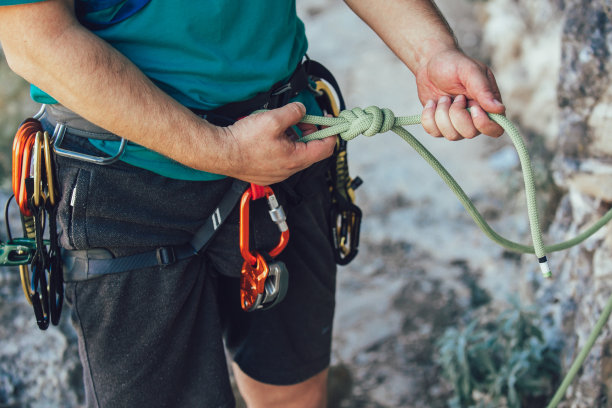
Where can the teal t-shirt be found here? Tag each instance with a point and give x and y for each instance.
(203, 53)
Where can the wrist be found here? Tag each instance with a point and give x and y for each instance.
(430, 48)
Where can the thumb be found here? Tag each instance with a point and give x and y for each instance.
(483, 89)
(288, 115)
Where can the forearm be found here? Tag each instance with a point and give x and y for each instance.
(412, 29)
(91, 78)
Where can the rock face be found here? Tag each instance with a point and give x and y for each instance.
(567, 99)
(37, 369)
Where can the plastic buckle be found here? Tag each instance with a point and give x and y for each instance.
(281, 96)
(165, 256)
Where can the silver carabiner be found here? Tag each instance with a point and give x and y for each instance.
(58, 137)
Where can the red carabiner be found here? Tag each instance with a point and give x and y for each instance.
(245, 225)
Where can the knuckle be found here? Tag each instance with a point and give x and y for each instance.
(429, 125)
(471, 134)
(453, 138)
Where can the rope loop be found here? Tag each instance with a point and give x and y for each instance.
(368, 122)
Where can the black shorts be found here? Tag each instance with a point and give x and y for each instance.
(157, 337)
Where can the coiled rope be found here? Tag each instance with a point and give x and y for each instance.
(373, 120)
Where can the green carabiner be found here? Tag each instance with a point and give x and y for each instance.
(17, 252)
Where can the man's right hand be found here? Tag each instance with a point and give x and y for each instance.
(261, 152)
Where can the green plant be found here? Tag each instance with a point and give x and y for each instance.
(503, 363)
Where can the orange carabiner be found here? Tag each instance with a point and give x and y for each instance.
(22, 155)
(253, 281)
(245, 250)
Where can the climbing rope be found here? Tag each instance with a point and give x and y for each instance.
(373, 120)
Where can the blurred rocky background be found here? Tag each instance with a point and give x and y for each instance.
(431, 313)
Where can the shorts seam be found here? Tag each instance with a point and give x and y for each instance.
(85, 348)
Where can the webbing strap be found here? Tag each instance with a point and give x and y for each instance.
(214, 221)
(278, 95)
(86, 264)
(317, 69)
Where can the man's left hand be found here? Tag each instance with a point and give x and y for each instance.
(448, 83)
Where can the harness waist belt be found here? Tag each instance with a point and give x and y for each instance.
(89, 263)
(79, 126)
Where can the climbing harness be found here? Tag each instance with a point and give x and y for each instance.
(263, 282)
(263, 279)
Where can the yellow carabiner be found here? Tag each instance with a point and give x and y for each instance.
(37, 161)
(323, 87)
(24, 273)
(49, 168)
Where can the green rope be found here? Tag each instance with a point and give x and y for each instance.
(573, 371)
(373, 120)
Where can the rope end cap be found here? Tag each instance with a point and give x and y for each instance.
(544, 267)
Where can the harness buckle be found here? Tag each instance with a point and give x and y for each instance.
(165, 256)
(282, 89)
(281, 95)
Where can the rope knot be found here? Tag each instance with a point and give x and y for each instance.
(368, 122)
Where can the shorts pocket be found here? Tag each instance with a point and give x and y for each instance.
(72, 209)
